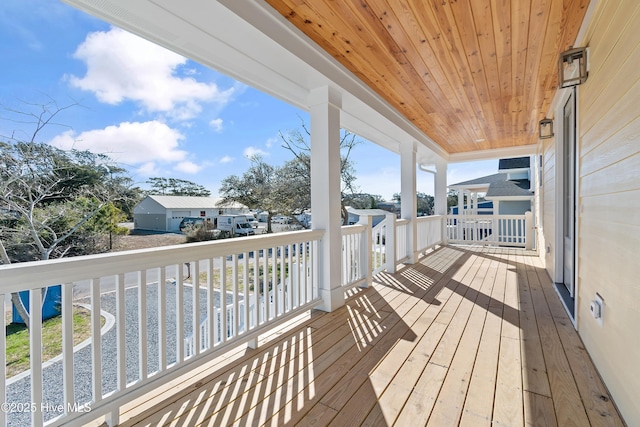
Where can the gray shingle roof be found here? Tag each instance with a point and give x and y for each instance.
(506, 188)
(499, 186)
(514, 163)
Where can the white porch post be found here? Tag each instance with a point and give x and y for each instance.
(390, 243)
(440, 202)
(440, 188)
(460, 201)
(474, 203)
(325, 104)
(528, 233)
(366, 255)
(408, 201)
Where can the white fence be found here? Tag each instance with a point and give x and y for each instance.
(401, 239)
(504, 230)
(429, 231)
(395, 240)
(379, 239)
(159, 297)
(356, 255)
(168, 303)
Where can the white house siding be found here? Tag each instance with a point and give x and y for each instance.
(164, 213)
(514, 207)
(149, 206)
(548, 231)
(149, 215)
(609, 200)
(156, 222)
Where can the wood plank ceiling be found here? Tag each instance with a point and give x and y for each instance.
(471, 74)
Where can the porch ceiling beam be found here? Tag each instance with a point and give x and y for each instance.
(496, 153)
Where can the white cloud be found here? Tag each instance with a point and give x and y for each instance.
(249, 152)
(129, 143)
(226, 159)
(216, 124)
(122, 66)
(148, 169)
(188, 167)
(271, 141)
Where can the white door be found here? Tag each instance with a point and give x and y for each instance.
(569, 205)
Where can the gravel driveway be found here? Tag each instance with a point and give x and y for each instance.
(20, 391)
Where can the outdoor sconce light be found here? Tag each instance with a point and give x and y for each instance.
(572, 67)
(545, 128)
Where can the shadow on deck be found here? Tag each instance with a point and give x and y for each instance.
(467, 336)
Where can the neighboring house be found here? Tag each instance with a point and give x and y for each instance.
(508, 192)
(484, 208)
(164, 213)
(393, 207)
(377, 215)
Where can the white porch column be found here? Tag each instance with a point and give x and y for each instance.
(325, 104)
(528, 233)
(366, 255)
(474, 203)
(440, 188)
(408, 203)
(460, 201)
(390, 243)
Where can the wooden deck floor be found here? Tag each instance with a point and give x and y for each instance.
(467, 336)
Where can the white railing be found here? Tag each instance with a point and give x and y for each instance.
(378, 247)
(428, 235)
(401, 243)
(429, 230)
(504, 230)
(356, 255)
(159, 297)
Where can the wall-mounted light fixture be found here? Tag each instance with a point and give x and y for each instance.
(572, 67)
(545, 128)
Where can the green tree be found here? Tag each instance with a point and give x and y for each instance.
(424, 203)
(297, 142)
(51, 195)
(362, 200)
(176, 187)
(106, 221)
(257, 188)
(452, 200)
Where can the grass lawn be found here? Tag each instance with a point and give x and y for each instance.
(18, 339)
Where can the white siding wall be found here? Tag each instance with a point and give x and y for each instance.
(149, 206)
(609, 200)
(547, 249)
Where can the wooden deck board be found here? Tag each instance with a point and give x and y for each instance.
(467, 336)
(567, 402)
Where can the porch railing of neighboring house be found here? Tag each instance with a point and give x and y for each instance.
(159, 297)
(504, 230)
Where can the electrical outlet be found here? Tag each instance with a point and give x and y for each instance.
(597, 309)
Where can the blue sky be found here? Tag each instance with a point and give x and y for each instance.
(153, 111)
